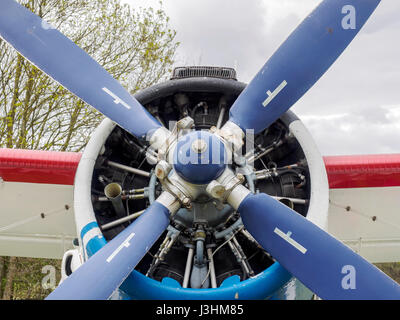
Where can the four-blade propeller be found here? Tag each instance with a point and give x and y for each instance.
(309, 253)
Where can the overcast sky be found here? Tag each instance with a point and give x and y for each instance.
(355, 106)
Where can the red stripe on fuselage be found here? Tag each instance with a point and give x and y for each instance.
(59, 168)
(363, 171)
(38, 166)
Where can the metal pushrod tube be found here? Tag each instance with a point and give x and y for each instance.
(188, 268)
(122, 220)
(129, 169)
(211, 268)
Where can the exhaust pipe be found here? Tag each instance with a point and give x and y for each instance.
(287, 202)
(113, 192)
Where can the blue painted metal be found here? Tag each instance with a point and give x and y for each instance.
(69, 65)
(260, 287)
(170, 282)
(95, 243)
(232, 280)
(299, 62)
(322, 263)
(200, 168)
(104, 272)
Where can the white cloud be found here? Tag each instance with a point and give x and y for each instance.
(354, 108)
(356, 134)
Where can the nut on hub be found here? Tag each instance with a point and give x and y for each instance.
(215, 189)
(163, 168)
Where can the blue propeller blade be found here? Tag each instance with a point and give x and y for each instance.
(322, 263)
(105, 271)
(70, 66)
(300, 61)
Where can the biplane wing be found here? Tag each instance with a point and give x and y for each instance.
(37, 220)
(364, 208)
(36, 196)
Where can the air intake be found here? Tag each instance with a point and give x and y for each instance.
(203, 71)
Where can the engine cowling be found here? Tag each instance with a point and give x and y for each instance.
(206, 253)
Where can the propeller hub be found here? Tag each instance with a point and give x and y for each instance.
(200, 157)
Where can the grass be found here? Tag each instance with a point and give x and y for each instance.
(29, 274)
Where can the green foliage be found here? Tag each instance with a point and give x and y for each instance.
(136, 46)
(391, 269)
(27, 283)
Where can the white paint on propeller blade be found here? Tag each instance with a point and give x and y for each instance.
(272, 95)
(286, 237)
(117, 100)
(124, 244)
